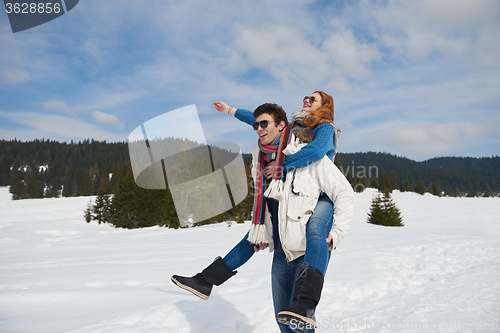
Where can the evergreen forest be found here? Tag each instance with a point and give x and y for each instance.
(44, 168)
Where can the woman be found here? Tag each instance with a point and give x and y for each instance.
(314, 125)
(310, 125)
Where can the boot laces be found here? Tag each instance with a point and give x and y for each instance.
(302, 271)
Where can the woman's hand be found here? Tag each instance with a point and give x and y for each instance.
(224, 108)
(262, 246)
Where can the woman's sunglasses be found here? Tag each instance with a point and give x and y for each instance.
(310, 98)
(262, 124)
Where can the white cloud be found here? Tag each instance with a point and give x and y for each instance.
(282, 51)
(30, 58)
(104, 97)
(56, 104)
(105, 118)
(459, 92)
(54, 127)
(426, 139)
(15, 76)
(415, 30)
(294, 59)
(353, 57)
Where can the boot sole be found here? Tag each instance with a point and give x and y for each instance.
(194, 291)
(286, 318)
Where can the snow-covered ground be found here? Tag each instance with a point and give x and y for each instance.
(438, 273)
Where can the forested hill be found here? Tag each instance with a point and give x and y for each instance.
(453, 175)
(48, 168)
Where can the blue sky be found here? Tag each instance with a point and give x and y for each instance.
(419, 79)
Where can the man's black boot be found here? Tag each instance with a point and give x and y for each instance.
(306, 296)
(201, 284)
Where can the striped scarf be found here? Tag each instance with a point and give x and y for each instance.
(268, 153)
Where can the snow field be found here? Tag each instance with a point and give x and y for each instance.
(438, 273)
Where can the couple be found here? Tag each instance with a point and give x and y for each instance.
(297, 191)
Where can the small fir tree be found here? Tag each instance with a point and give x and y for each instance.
(102, 210)
(87, 213)
(383, 211)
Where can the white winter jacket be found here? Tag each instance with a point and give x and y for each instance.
(298, 197)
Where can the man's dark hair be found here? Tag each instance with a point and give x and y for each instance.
(274, 110)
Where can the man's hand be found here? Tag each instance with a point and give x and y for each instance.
(262, 246)
(269, 169)
(329, 239)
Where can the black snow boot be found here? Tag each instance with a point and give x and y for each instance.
(306, 295)
(201, 284)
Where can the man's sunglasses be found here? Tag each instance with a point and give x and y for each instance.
(310, 98)
(262, 124)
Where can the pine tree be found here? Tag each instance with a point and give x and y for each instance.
(435, 189)
(54, 189)
(393, 181)
(36, 186)
(85, 179)
(102, 209)
(383, 211)
(18, 188)
(376, 214)
(135, 207)
(68, 182)
(420, 187)
(405, 186)
(5, 164)
(124, 202)
(87, 213)
(117, 174)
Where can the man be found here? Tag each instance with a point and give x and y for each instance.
(296, 286)
(297, 196)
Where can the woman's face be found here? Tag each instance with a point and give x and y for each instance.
(311, 106)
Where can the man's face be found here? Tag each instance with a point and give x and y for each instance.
(271, 132)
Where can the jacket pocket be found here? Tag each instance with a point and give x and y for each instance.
(296, 226)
